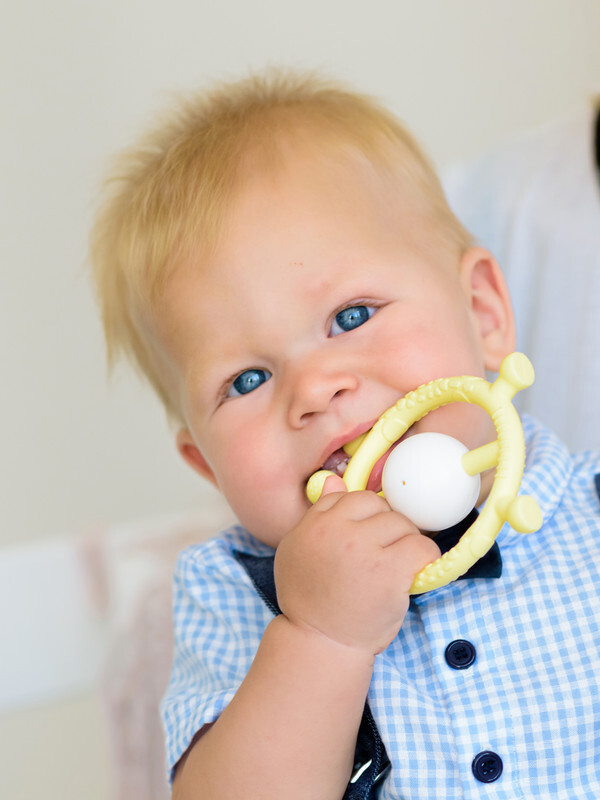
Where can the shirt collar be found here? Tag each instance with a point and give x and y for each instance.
(548, 468)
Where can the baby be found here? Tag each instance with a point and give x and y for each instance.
(280, 262)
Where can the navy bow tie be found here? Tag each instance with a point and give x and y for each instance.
(488, 566)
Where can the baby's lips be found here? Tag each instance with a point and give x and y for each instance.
(374, 481)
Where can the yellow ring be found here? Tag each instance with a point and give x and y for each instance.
(507, 453)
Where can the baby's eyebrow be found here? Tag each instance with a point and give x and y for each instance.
(212, 373)
(203, 373)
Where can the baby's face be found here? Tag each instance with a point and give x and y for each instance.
(315, 314)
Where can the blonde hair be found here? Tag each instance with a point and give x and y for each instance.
(169, 196)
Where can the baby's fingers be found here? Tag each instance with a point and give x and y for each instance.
(333, 490)
(355, 506)
(412, 553)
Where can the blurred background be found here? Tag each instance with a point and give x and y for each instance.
(89, 466)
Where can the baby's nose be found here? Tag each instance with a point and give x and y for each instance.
(314, 391)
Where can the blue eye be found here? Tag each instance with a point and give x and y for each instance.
(248, 381)
(350, 318)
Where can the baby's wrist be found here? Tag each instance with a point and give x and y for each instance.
(326, 644)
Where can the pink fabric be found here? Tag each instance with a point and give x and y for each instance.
(131, 575)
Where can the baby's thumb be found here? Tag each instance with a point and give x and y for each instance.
(323, 482)
(333, 484)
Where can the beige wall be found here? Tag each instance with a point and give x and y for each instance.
(56, 751)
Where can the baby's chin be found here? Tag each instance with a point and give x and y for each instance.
(271, 539)
(271, 529)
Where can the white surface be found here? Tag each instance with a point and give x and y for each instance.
(64, 600)
(423, 479)
(80, 679)
(52, 641)
(535, 203)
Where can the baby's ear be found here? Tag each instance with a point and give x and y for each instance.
(491, 307)
(192, 456)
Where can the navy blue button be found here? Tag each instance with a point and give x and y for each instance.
(487, 766)
(460, 654)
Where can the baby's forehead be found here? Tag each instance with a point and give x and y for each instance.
(368, 168)
(301, 176)
(281, 208)
(288, 213)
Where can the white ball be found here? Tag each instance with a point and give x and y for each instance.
(423, 478)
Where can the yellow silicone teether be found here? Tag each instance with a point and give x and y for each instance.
(506, 453)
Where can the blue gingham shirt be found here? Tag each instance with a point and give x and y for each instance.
(532, 696)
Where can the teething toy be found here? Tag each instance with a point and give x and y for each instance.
(506, 453)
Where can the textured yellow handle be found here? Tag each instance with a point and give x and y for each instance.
(507, 453)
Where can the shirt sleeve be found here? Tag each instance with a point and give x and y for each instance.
(219, 621)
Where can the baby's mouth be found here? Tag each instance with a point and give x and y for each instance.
(337, 462)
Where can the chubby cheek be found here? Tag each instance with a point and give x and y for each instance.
(430, 353)
(261, 486)
(467, 422)
(437, 348)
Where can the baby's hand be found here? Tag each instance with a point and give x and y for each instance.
(346, 568)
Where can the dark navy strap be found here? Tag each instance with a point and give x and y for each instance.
(488, 566)
(597, 484)
(371, 763)
(261, 572)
